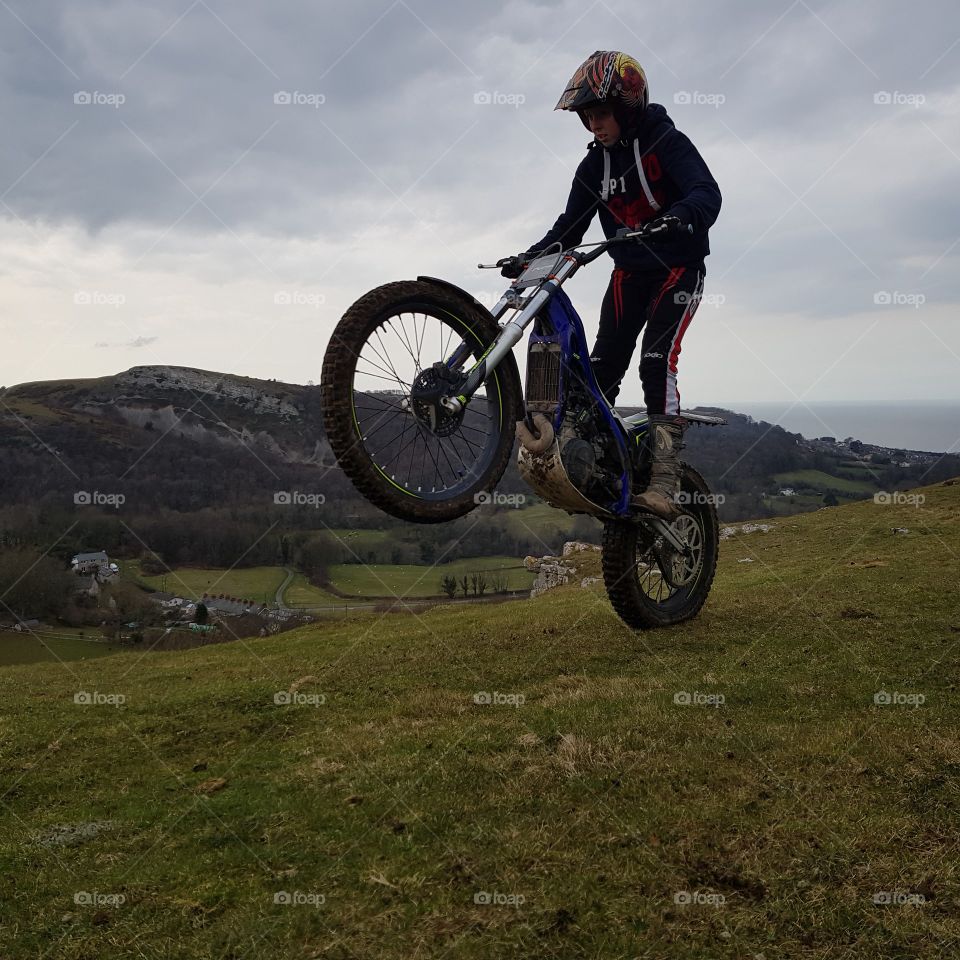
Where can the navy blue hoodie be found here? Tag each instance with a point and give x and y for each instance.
(652, 171)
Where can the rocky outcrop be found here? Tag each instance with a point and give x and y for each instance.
(256, 400)
(727, 532)
(556, 571)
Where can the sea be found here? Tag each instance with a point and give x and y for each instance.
(931, 426)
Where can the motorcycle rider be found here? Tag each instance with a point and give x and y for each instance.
(639, 170)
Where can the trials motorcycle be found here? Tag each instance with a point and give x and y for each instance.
(422, 402)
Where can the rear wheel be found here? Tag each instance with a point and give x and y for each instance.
(649, 583)
(406, 454)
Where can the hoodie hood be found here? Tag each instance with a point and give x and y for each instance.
(646, 126)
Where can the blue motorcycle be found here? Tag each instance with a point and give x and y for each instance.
(422, 403)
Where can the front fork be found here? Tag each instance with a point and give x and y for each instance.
(508, 337)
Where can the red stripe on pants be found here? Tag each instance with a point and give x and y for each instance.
(672, 279)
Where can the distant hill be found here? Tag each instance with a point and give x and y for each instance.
(174, 436)
(187, 440)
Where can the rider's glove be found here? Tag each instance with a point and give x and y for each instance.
(512, 267)
(665, 224)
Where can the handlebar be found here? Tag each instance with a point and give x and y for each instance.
(663, 231)
(669, 227)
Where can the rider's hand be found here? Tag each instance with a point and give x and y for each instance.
(665, 224)
(512, 267)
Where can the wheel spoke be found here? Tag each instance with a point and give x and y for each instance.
(427, 459)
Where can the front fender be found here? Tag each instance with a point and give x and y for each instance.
(453, 288)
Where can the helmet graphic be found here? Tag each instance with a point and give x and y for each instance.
(606, 76)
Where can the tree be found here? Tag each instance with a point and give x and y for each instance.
(33, 585)
(465, 584)
(315, 556)
(830, 500)
(481, 582)
(448, 585)
(499, 582)
(202, 614)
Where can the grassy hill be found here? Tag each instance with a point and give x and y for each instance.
(734, 787)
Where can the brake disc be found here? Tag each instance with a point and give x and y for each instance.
(426, 394)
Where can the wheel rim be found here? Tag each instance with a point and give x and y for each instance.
(684, 571)
(419, 461)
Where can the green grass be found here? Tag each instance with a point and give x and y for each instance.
(360, 580)
(804, 503)
(823, 481)
(254, 583)
(52, 643)
(546, 523)
(302, 593)
(360, 540)
(592, 805)
(421, 580)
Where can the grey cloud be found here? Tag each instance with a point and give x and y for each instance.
(135, 343)
(399, 118)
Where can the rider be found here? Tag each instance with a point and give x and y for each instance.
(639, 170)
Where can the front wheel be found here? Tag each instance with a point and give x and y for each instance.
(651, 585)
(401, 450)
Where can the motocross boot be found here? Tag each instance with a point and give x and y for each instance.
(666, 437)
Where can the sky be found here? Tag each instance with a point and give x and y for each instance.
(212, 184)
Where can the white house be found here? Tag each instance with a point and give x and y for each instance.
(98, 564)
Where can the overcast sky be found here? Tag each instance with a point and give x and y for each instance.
(156, 201)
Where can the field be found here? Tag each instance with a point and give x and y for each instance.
(775, 779)
(417, 580)
(824, 481)
(302, 593)
(360, 580)
(45, 643)
(543, 521)
(253, 583)
(803, 502)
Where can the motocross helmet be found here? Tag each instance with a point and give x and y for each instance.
(607, 77)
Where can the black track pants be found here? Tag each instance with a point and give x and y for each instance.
(662, 307)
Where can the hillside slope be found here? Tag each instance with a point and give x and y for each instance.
(187, 439)
(774, 779)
